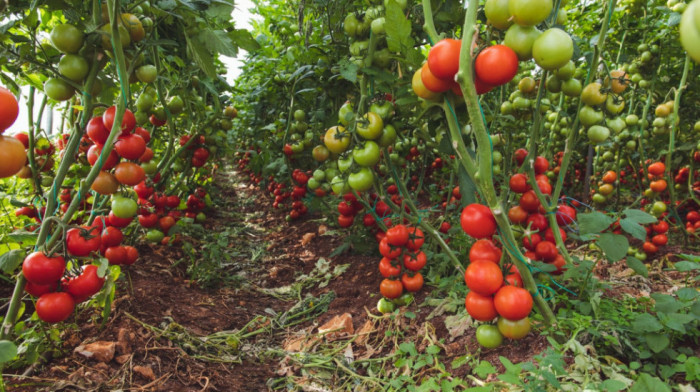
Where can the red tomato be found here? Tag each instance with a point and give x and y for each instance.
(96, 130)
(346, 209)
(485, 249)
(415, 238)
(414, 261)
(529, 201)
(387, 269)
(660, 228)
(40, 269)
(54, 307)
(412, 283)
(82, 241)
(37, 290)
(657, 168)
(566, 215)
(537, 222)
(517, 215)
(117, 221)
(433, 83)
(388, 250)
(345, 220)
(541, 165)
(519, 155)
(513, 303)
(130, 146)
(391, 288)
(483, 277)
(477, 221)
(496, 65)
(132, 254)
(546, 251)
(530, 242)
(84, 285)
(93, 155)
(116, 255)
(480, 307)
(549, 235)
(111, 236)
(518, 183)
(128, 121)
(659, 239)
(397, 235)
(443, 59)
(513, 277)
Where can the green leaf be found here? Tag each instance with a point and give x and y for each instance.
(694, 258)
(613, 245)
(649, 383)
(9, 261)
(220, 10)
(408, 348)
(217, 41)
(633, 228)
(657, 342)
(613, 385)
(646, 323)
(637, 266)
(398, 28)
(8, 350)
(639, 216)
(593, 222)
(243, 39)
(432, 349)
(201, 56)
(686, 266)
(22, 237)
(676, 321)
(484, 368)
(460, 361)
(687, 294)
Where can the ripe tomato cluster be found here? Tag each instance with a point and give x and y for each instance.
(348, 208)
(200, 154)
(401, 261)
(495, 294)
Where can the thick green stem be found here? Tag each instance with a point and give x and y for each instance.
(483, 175)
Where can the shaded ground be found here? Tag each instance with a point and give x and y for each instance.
(173, 335)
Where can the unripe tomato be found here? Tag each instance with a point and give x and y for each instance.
(514, 329)
(489, 336)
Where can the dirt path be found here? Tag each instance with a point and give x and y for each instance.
(230, 306)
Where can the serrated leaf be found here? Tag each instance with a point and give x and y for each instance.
(483, 369)
(348, 70)
(657, 342)
(593, 222)
(637, 266)
(200, 56)
(8, 350)
(639, 216)
(244, 40)
(645, 322)
(217, 41)
(398, 28)
(9, 261)
(633, 228)
(613, 245)
(220, 10)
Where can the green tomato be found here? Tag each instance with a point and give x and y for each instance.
(339, 186)
(344, 164)
(151, 167)
(489, 336)
(359, 48)
(299, 115)
(658, 208)
(388, 136)
(385, 110)
(690, 30)
(319, 175)
(381, 58)
(514, 329)
(74, 67)
(571, 87)
(350, 25)
(632, 119)
(124, 207)
(404, 300)
(144, 102)
(176, 104)
(331, 172)
(401, 3)
(529, 12)
(497, 14)
(200, 217)
(346, 114)
(58, 89)
(614, 105)
(385, 306)
(521, 39)
(313, 183)
(616, 124)
(146, 73)
(155, 236)
(598, 198)
(566, 72)
(590, 116)
(598, 134)
(361, 180)
(67, 38)
(370, 127)
(377, 26)
(368, 155)
(553, 48)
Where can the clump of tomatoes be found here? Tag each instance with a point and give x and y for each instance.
(401, 263)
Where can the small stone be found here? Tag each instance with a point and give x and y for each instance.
(337, 326)
(306, 238)
(364, 332)
(122, 359)
(99, 351)
(322, 229)
(145, 371)
(123, 341)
